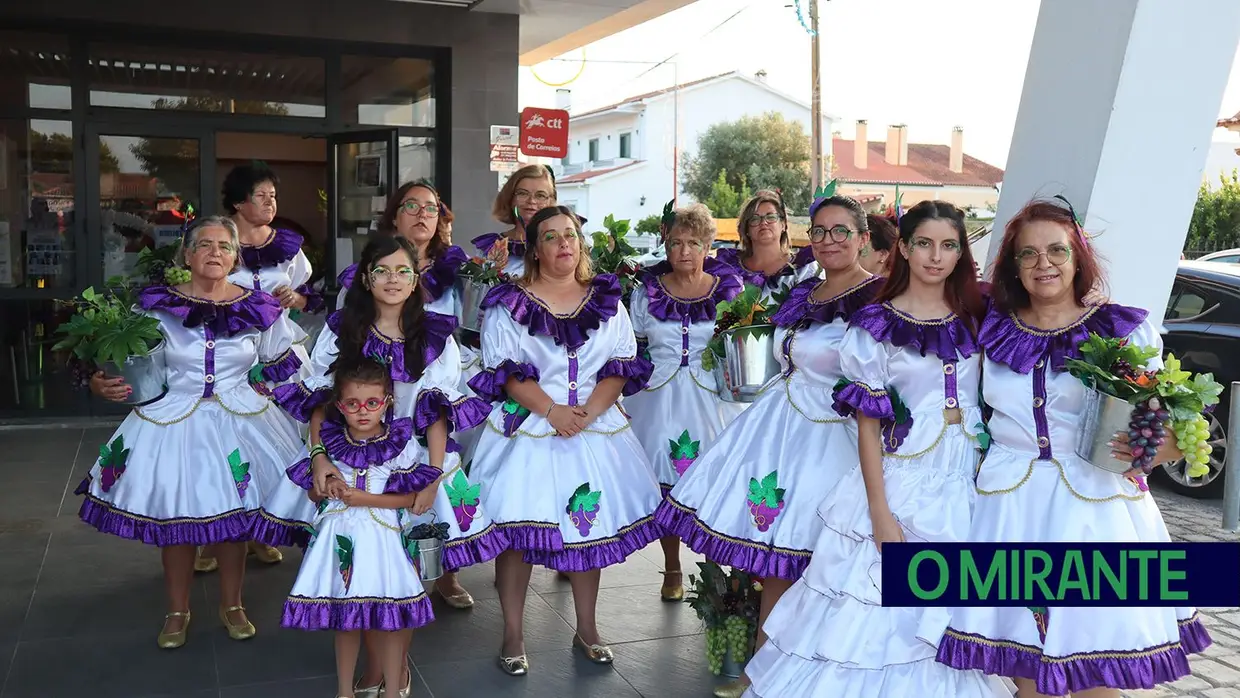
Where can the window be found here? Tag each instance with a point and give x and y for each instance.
(36, 204)
(182, 79)
(626, 145)
(35, 70)
(378, 91)
(1186, 303)
(593, 150)
(1226, 259)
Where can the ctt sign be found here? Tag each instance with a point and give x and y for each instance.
(544, 132)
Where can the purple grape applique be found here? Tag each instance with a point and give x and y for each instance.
(344, 553)
(583, 508)
(240, 471)
(683, 452)
(112, 458)
(514, 415)
(766, 500)
(464, 500)
(1041, 616)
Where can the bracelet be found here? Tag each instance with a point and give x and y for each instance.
(316, 450)
(549, 408)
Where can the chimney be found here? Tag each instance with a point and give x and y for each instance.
(893, 145)
(760, 76)
(903, 145)
(563, 99)
(955, 161)
(861, 146)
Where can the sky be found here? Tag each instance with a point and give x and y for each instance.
(930, 65)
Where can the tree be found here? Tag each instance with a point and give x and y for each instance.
(649, 224)
(724, 201)
(768, 151)
(53, 153)
(1215, 224)
(174, 161)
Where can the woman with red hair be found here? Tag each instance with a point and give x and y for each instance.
(1033, 487)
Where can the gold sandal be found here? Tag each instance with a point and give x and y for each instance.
(171, 641)
(672, 593)
(243, 631)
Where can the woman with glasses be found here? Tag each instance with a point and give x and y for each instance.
(560, 468)
(271, 261)
(527, 191)
(416, 213)
(765, 259)
(384, 320)
(678, 415)
(1034, 488)
(184, 471)
(751, 500)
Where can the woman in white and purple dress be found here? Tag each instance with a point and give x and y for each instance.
(751, 500)
(765, 259)
(678, 415)
(561, 470)
(911, 366)
(1033, 487)
(184, 471)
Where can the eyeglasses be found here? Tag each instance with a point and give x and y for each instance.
(538, 197)
(403, 274)
(353, 406)
(208, 245)
(1057, 255)
(413, 208)
(839, 233)
(772, 218)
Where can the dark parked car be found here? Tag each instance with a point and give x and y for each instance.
(1202, 325)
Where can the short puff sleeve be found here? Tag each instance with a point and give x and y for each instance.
(300, 274)
(277, 360)
(501, 352)
(625, 360)
(439, 395)
(300, 399)
(639, 314)
(863, 363)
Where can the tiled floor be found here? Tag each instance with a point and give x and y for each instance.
(79, 612)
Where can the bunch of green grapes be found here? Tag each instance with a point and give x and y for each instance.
(716, 648)
(1193, 438)
(736, 635)
(174, 275)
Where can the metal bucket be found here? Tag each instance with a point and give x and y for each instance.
(428, 558)
(147, 375)
(469, 294)
(732, 667)
(1101, 417)
(748, 363)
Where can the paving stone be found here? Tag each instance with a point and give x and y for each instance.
(1191, 683)
(1222, 692)
(1216, 673)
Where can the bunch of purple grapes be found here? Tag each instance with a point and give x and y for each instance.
(80, 372)
(1146, 432)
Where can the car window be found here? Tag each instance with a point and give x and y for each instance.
(1186, 302)
(1226, 259)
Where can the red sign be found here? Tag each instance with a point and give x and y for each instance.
(544, 132)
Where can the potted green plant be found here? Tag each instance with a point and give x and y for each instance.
(475, 279)
(611, 253)
(727, 604)
(107, 331)
(1123, 397)
(741, 351)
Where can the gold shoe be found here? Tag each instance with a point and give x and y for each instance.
(171, 641)
(244, 631)
(731, 689)
(514, 666)
(460, 601)
(408, 689)
(599, 654)
(265, 553)
(205, 564)
(371, 692)
(672, 592)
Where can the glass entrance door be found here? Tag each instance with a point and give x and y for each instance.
(363, 173)
(145, 177)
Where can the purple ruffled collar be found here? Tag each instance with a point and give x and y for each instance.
(436, 330)
(801, 306)
(282, 246)
(362, 454)
(516, 248)
(669, 308)
(732, 258)
(710, 265)
(948, 338)
(441, 274)
(1018, 346)
(252, 309)
(601, 302)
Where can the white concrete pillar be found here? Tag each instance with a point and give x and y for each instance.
(1119, 104)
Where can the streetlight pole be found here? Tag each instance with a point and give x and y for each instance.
(816, 161)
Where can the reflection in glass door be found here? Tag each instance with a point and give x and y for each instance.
(143, 182)
(363, 170)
